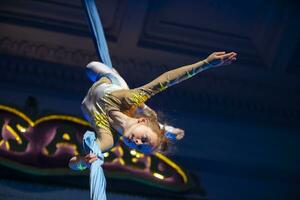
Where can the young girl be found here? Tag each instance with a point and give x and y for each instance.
(114, 110)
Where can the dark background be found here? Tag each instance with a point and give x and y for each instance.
(241, 121)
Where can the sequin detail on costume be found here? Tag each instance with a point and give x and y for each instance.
(101, 120)
(138, 97)
(190, 74)
(163, 87)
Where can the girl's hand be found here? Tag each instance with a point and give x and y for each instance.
(89, 158)
(221, 58)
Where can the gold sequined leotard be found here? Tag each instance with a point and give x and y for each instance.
(104, 96)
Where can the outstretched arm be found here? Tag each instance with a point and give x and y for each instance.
(175, 76)
(140, 95)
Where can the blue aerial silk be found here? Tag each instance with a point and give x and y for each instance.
(97, 31)
(97, 178)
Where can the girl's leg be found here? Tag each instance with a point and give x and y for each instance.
(95, 69)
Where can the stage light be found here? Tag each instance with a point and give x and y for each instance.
(159, 176)
(21, 128)
(66, 136)
(106, 154)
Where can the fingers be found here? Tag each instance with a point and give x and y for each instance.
(89, 158)
(224, 54)
(92, 160)
(232, 55)
(229, 61)
(221, 58)
(219, 53)
(228, 57)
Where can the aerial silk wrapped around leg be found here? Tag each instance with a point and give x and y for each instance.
(97, 178)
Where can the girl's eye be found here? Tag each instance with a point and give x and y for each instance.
(144, 139)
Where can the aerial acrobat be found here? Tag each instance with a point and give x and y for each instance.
(114, 110)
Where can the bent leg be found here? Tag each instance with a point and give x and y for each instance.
(95, 69)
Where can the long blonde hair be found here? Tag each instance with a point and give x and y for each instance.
(164, 143)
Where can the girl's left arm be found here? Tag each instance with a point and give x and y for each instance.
(175, 76)
(140, 95)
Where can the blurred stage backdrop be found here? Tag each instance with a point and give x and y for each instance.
(241, 121)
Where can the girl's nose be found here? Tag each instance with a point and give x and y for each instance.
(137, 141)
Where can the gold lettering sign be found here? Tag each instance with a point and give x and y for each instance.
(51, 141)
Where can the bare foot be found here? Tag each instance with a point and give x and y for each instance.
(179, 133)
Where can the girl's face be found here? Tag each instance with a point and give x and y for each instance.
(141, 137)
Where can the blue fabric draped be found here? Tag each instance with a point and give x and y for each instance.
(97, 31)
(97, 178)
